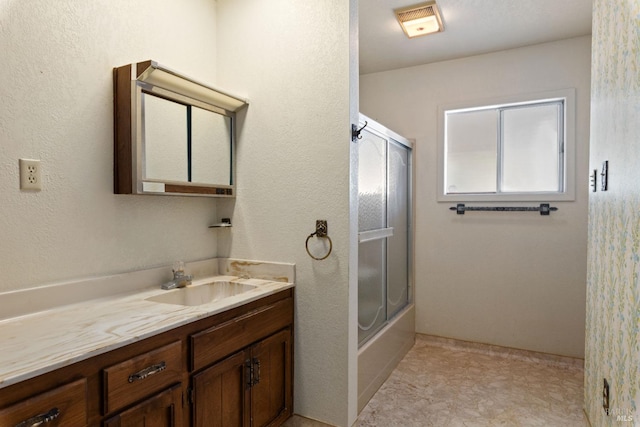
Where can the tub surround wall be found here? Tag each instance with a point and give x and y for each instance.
(613, 286)
(57, 106)
(509, 279)
(379, 357)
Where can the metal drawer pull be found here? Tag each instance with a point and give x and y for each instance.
(153, 369)
(38, 420)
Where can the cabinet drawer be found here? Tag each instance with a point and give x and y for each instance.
(141, 376)
(63, 406)
(215, 343)
(163, 409)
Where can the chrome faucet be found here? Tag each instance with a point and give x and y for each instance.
(180, 279)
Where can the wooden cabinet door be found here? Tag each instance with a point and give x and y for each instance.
(272, 392)
(221, 393)
(162, 410)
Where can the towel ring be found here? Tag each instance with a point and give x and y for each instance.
(321, 232)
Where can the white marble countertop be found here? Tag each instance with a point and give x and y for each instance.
(41, 342)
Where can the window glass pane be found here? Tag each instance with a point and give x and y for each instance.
(471, 151)
(531, 148)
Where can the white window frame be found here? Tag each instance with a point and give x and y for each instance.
(568, 192)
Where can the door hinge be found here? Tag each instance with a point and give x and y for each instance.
(253, 371)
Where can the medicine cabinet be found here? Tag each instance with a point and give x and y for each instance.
(173, 135)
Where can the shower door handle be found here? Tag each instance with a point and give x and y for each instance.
(382, 233)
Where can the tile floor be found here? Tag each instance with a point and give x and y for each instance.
(448, 383)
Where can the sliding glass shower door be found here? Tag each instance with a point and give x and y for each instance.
(398, 219)
(384, 188)
(372, 218)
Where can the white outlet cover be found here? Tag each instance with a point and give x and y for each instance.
(30, 176)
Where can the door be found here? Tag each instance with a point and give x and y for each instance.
(372, 221)
(384, 228)
(251, 388)
(272, 392)
(162, 410)
(398, 218)
(221, 393)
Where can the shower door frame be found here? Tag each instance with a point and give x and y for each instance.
(390, 138)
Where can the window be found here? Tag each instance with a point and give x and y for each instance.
(517, 149)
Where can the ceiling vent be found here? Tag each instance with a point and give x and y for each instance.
(420, 19)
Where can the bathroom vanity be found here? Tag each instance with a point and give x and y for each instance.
(222, 363)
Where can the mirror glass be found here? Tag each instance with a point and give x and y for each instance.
(210, 147)
(164, 139)
(185, 143)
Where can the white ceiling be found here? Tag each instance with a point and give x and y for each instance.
(471, 27)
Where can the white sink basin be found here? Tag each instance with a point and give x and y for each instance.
(202, 294)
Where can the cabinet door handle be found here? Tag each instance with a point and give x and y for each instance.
(153, 369)
(249, 368)
(256, 371)
(38, 420)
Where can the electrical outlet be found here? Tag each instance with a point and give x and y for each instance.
(30, 177)
(605, 396)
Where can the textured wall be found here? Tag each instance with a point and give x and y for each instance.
(292, 62)
(511, 279)
(56, 105)
(613, 287)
